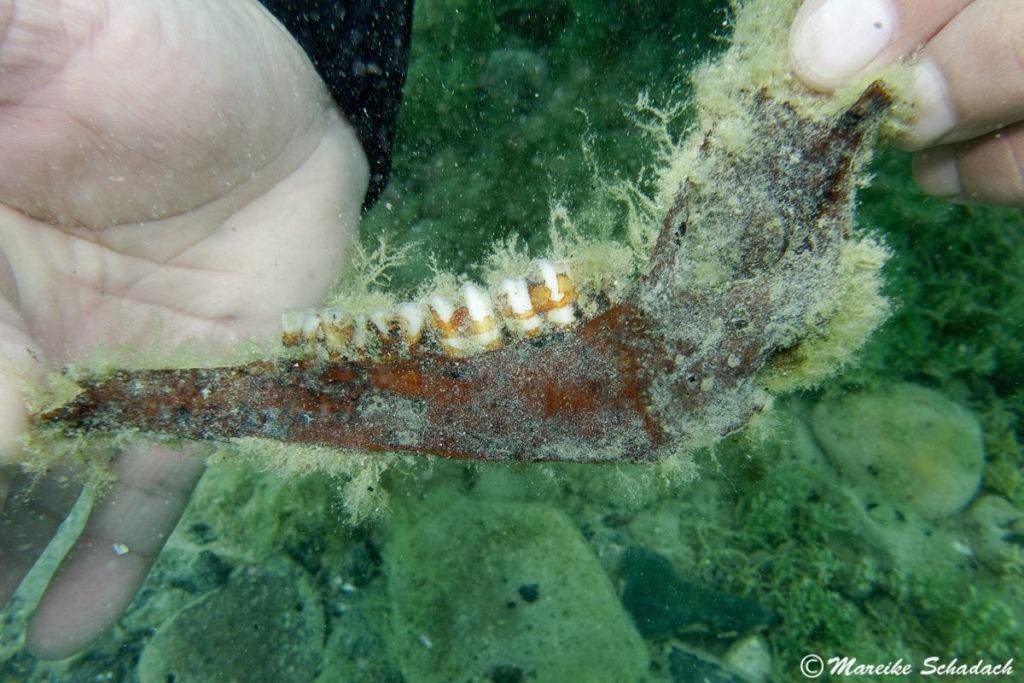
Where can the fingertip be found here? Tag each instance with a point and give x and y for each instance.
(936, 172)
(50, 647)
(832, 41)
(87, 595)
(934, 113)
(984, 170)
(50, 637)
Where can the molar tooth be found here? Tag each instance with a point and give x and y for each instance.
(360, 338)
(310, 326)
(410, 320)
(478, 303)
(379, 318)
(564, 316)
(446, 321)
(456, 347)
(555, 288)
(483, 327)
(442, 314)
(555, 295)
(517, 311)
(549, 278)
(389, 330)
(337, 331)
(291, 327)
(517, 297)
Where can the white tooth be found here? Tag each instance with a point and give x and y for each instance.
(487, 338)
(410, 317)
(442, 307)
(291, 321)
(337, 331)
(561, 317)
(517, 294)
(379, 318)
(455, 346)
(359, 336)
(310, 324)
(478, 303)
(530, 326)
(549, 274)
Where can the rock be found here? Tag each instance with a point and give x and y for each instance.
(750, 657)
(691, 666)
(662, 603)
(260, 626)
(486, 591)
(996, 530)
(907, 446)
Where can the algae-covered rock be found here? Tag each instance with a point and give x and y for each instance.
(504, 591)
(260, 627)
(996, 531)
(903, 445)
(663, 603)
(752, 657)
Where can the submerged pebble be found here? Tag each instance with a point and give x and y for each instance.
(903, 445)
(663, 603)
(486, 591)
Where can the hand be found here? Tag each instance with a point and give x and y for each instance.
(969, 82)
(169, 168)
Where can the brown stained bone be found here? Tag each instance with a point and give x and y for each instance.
(672, 365)
(533, 401)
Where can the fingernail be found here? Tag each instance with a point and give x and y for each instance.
(835, 41)
(936, 172)
(934, 114)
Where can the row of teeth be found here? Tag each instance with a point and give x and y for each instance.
(526, 307)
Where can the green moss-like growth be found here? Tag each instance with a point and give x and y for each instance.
(795, 543)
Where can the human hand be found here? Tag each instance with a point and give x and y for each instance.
(171, 169)
(969, 81)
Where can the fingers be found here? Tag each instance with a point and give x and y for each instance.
(971, 76)
(29, 519)
(968, 82)
(126, 530)
(984, 170)
(835, 41)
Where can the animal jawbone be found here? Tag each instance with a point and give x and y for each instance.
(542, 367)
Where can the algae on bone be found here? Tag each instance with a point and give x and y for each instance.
(849, 304)
(733, 184)
(761, 194)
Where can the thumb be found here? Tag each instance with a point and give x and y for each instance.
(833, 42)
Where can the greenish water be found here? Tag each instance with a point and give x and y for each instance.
(498, 573)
